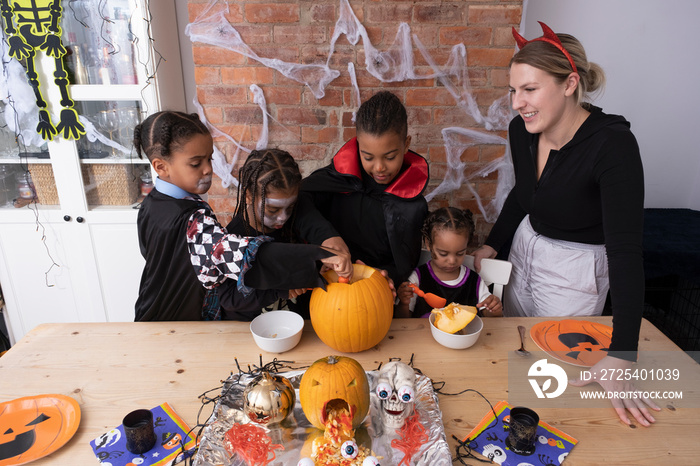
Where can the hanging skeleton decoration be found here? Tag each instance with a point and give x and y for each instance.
(32, 25)
(396, 390)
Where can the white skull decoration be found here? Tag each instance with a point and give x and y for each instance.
(396, 390)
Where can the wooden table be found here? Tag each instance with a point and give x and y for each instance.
(113, 368)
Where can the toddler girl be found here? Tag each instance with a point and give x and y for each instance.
(446, 233)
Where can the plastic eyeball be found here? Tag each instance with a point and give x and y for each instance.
(371, 461)
(406, 394)
(305, 462)
(384, 391)
(349, 450)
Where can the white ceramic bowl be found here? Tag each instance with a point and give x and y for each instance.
(460, 340)
(277, 331)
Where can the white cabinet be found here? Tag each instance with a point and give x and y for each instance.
(72, 253)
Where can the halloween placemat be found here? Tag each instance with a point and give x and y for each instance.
(292, 439)
(578, 342)
(35, 426)
(489, 439)
(171, 434)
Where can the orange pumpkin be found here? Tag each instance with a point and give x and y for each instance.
(35, 426)
(331, 383)
(355, 316)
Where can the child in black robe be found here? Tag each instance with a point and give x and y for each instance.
(371, 193)
(267, 198)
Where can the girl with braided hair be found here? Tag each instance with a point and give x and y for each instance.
(446, 233)
(268, 188)
(189, 255)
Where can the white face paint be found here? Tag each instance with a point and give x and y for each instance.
(396, 389)
(277, 210)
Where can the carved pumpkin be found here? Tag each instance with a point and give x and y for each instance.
(355, 316)
(33, 427)
(334, 382)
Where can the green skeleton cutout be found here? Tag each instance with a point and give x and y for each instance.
(32, 25)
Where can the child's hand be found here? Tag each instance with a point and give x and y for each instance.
(341, 262)
(492, 306)
(336, 242)
(298, 292)
(405, 293)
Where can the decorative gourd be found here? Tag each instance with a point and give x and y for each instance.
(454, 317)
(268, 399)
(334, 382)
(355, 316)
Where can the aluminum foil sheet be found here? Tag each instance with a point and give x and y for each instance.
(293, 432)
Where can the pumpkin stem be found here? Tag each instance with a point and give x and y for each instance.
(332, 359)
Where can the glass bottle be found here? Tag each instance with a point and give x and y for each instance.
(146, 183)
(92, 64)
(107, 68)
(124, 55)
(7, 186)
(77, 72)
(25, 186)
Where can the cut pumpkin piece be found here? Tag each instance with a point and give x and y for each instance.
(454, 317)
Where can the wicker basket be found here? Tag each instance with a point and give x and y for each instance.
(44, 183)
(105, 184)
(111, 184)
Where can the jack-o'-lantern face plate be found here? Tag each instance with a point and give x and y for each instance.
(36, 426)
(577, 342)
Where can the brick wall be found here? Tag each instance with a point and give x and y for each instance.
(300, 32)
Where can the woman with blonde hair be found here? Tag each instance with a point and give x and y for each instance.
(575, 213)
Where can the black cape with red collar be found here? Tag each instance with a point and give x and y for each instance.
(381, 224)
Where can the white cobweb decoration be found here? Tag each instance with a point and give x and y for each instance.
(392, 65)
(259, 99)
(355, 96)
(211, 27)
(93, 135)
(457, 140)
(21, 113)
(219, 163)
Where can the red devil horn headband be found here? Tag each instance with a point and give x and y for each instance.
(550, 37)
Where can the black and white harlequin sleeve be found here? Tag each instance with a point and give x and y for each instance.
(215, 254)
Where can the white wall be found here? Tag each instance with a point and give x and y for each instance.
(649, 51)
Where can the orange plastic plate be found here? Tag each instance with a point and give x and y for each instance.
(578, 342)
(35, 426)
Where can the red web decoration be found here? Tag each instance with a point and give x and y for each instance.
(251, 444)
(413, 436)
